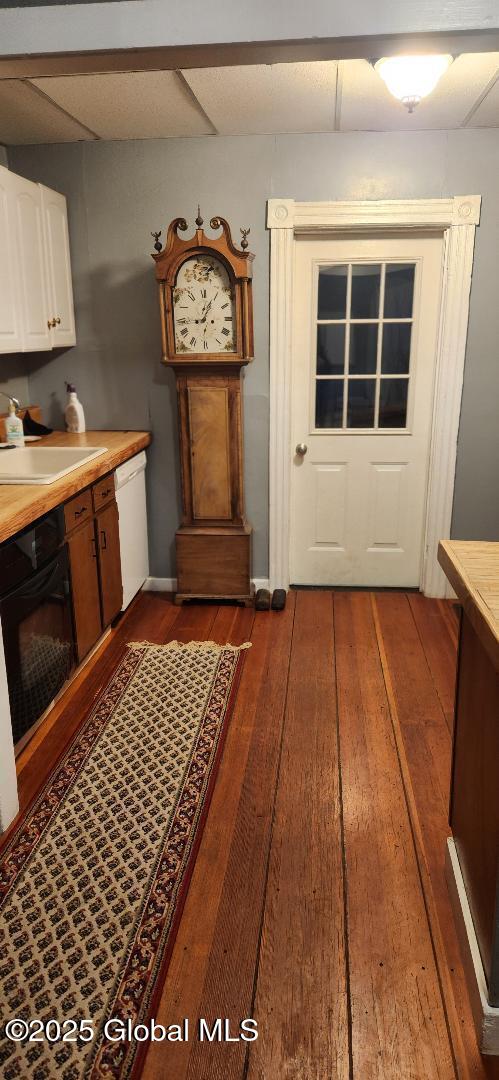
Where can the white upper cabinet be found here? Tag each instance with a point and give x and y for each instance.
(36, 306)
(11, 338)
(31, 247)
(58, 264)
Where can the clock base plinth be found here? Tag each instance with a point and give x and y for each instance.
(214, 563)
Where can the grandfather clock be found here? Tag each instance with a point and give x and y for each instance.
(207, 335)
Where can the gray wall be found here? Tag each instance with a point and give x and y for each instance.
(118, 192)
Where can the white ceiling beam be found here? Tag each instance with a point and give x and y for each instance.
(195, 34)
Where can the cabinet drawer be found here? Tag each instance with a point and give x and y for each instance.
(103, 491)
(77, 510)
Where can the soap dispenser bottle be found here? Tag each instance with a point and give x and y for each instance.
(73, 413)
(14, 430)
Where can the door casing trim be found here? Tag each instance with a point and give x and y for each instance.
(455, 219)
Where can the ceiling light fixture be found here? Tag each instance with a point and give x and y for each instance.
(410, 78)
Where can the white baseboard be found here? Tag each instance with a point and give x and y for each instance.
(485, 1016)
(159, 584)
(169, 584)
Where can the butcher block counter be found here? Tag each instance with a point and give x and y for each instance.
(473, 856)
(20, 504)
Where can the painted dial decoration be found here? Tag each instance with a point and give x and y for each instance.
(203, 307)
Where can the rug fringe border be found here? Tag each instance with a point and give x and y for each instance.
(188, 645)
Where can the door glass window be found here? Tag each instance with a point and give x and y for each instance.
(363, 352)
(329, 403)
(332, 297)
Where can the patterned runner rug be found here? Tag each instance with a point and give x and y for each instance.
(93, 880)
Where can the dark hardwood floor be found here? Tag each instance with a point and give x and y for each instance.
(318, 903)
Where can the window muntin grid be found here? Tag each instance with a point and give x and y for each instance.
(364, 330)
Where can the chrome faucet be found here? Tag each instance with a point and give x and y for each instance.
(10, 397)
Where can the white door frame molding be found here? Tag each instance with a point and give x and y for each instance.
(455, 219)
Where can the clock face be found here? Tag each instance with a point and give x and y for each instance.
(204, 312)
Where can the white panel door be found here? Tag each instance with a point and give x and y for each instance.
(10, 308)
(364, 340)
(58, 264)
(30, 240)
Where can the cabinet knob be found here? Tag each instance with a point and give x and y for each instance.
(301, 449)
(51, 323)
(57, 321)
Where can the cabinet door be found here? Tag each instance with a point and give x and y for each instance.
(107, 525)
(10, 305)
(58, 267)
(85, 587)
(30, 244)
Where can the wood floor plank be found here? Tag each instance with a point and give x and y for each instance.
(212, 967)
(194, 623)
(451, 612)
(439, 648)
(398, 1019)
(301, 993)
(426, 746)
(254, 936)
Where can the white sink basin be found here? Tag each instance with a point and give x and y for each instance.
(43, 464)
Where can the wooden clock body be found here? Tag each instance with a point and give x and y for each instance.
(213, 542)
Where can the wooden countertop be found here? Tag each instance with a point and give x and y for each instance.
(20, 504)
(472, 567)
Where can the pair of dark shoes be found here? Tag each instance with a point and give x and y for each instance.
(263, 600)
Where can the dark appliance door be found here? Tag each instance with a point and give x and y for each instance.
(38, 641)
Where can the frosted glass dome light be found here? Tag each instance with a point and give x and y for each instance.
(410, 78)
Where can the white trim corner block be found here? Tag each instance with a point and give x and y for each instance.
(281, 214)
(455, 219)
(467, 209)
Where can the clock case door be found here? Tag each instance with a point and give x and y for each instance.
(213, 543)
(239, 268)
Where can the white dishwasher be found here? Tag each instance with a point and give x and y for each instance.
(130, 482)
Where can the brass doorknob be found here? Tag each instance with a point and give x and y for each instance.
(57, 321)
(301, 449)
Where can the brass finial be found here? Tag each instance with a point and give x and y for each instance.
(158, 245)
(199, 220)
(244, 234)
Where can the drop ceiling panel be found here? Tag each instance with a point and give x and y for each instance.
(26, 117)
(367, 105)
(487, 113)
(129, 105)
(267, 98)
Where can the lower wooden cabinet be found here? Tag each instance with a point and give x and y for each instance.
(111, 589)
(82, 548)
(95, 567)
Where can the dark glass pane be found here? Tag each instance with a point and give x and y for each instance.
(363, 348)
(332, 300)
(331, 349)
(329, 403)
(365, 291)
(360, 410)
(399, 290)
(396, 348)
(393, 403)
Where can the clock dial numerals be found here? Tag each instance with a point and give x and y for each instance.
(203, 307)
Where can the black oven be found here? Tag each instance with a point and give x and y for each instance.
(37, 627)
